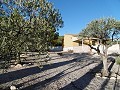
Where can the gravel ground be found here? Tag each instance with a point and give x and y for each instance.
(62, 72)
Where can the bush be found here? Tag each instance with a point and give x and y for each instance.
(118, 60)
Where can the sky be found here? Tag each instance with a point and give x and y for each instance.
(77, 14)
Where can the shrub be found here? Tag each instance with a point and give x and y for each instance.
(118, 60)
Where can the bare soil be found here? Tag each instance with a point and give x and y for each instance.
(68, 71)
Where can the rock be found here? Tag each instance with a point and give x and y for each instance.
(25, 65)
(105, 77)
(13, 88)
(113, 75)
(118, 77)
(98, 75)
(112, 78)
(12, 66)
(96, 55)
(30, 63)
(18, 66)
(23, 55)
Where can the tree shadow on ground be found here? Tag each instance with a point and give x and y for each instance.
(108, 79)
(14, 75)
(117, 81)
(65, 55)
(42, 84)
(54, 78)
(114, 54)
(83, 81)
(10, 76)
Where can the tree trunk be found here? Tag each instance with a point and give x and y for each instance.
(104, 58)
(18, 59)
(105, 66)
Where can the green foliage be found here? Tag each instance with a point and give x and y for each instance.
(58, 41)
(27, 25)
(104, 29)
(118, 60)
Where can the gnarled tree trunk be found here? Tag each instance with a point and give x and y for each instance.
(104, 58)
(105, 66)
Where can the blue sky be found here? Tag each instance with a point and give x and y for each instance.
(77, 14)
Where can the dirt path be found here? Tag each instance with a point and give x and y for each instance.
(67, 72)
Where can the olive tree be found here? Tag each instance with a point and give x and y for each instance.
(105, 30)
(26, 24)
(13, 34)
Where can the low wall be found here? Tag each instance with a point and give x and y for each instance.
(78, 49)
(86, 49)
(114, 49)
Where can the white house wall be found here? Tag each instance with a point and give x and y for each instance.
(85, 49)
(67, 48)
(78, 49)
(114, 49)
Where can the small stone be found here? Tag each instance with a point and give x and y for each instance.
(13, 88)
(112, 78)
(95, 55)
(24, 65)
(113, 75)
(12, 66)
(18, 66)
(23, 55)
(118, 77)
(30, 63)
(104, 77)
(98, 74)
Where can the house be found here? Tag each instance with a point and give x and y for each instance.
(72, 42)
(69, 43)
(78, 45)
